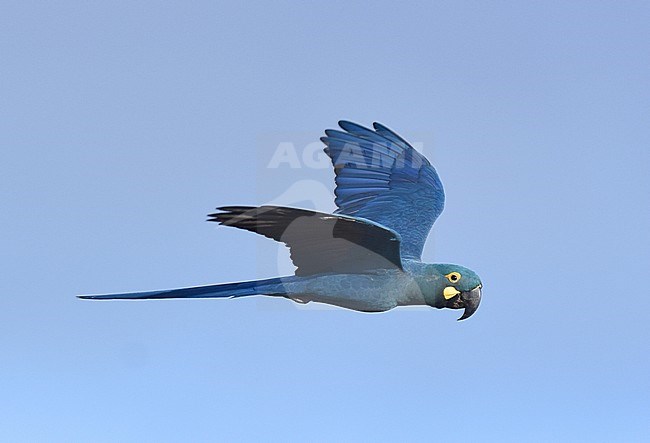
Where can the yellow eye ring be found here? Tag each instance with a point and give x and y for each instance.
(453, 277)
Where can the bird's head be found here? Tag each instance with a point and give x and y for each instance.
(456, 287)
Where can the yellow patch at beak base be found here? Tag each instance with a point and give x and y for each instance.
(450, 292)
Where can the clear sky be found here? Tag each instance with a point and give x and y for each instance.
(122, 124)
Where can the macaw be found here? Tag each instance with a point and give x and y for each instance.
(365, 256)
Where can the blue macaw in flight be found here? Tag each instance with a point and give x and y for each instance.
(365, 256)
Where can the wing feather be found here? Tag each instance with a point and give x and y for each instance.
(319, 242)
(380, 177)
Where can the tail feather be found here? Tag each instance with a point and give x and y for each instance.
(271, 286)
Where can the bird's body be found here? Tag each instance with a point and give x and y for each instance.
(370, 292)
(366, 255)
(378, 291)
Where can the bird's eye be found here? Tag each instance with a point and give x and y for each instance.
(453, 277)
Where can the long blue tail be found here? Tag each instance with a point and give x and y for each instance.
(271, 286)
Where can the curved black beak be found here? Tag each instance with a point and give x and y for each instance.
(470, 301)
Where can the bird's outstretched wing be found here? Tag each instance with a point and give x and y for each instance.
(380, 177)
(319, 242)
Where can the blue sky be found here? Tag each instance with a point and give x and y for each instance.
(123, 124)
